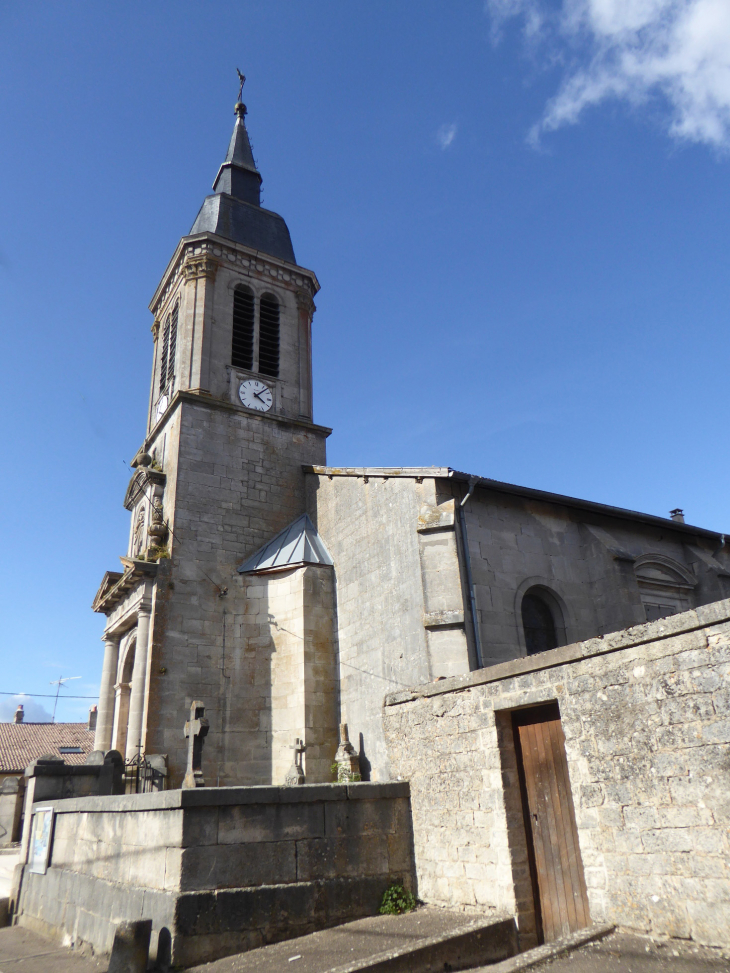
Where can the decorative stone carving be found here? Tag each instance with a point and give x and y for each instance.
(347, 758)
(197, 267)
(157, 529)
(305, 302)
(295, 774)
(138, 533)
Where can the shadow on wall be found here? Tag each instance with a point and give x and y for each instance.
(365, 765)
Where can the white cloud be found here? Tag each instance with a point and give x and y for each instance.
(33, 712)
(676, 52)
(446, 135)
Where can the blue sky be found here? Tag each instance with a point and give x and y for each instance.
(518, 213)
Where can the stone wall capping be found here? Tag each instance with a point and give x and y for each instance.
(225, 796)
(643, 634)
(446, 472)
(414, 472)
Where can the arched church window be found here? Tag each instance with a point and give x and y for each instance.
(243, 324)
(539, 622)
(269, 336)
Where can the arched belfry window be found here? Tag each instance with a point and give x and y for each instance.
(169, 348)
(243, 327)
(542, 621)
(269, 336)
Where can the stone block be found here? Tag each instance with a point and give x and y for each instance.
(322, 858)
(238, 866)
(131, 947)
(200, 826)
(359, 817)
(277, 822)
(709, 922)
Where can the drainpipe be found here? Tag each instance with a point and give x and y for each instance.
(469, 580)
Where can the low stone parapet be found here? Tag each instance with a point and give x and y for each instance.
(220, 870)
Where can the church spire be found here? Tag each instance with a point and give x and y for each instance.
(238, 175)
(234, 210)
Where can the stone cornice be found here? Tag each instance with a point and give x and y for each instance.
(113, 588)
(228, 254)
(204, 399)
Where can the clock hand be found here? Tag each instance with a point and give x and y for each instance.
(258, 395)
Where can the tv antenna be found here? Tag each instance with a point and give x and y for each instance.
(59, 683)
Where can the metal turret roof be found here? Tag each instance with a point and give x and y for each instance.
(235, 211)
(299, 543)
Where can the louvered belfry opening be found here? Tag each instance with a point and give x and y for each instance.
(172, 347)
(168, 348)
(269, 336)
(243, 325)
(164, 355)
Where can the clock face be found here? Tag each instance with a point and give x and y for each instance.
(162, 403)
(255, 395)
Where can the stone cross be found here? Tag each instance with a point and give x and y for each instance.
(296, 773)
(196, 730)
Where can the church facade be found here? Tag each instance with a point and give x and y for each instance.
(289, 596)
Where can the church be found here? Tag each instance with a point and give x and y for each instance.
(290, 597)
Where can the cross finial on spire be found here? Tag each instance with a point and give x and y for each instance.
(240, 107)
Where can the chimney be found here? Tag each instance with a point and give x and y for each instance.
(677, 515)
(18, 718)
(92, 718)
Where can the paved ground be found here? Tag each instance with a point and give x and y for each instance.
(622, 953)
(8, 860)
(22, 951)
(331, 949)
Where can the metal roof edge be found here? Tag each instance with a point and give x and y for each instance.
(600, 508)
(499, 486)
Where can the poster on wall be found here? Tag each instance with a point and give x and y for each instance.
(41, 837)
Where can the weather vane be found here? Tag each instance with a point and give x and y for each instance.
(242, 79)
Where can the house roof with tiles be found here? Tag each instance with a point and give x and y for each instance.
(22, 743)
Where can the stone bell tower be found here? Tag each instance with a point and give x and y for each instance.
(219, 474)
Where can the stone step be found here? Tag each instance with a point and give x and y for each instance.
(424, 941)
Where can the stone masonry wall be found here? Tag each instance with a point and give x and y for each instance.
(647, 730)
(236, 480)
(584, 558)
(388, 576)
(223, 869)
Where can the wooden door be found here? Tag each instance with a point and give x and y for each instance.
(561, 902)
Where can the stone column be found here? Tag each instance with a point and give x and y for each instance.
(139, 680)
(105, 719)
(200, 271)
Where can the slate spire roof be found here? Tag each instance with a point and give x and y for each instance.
(238, 174)
(234, 210)
(299, 543)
